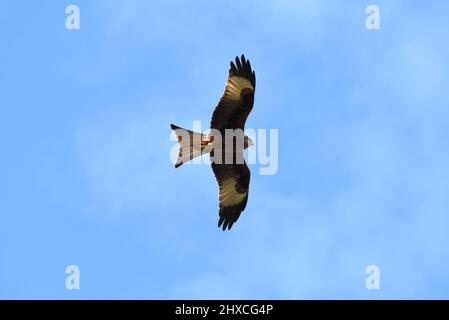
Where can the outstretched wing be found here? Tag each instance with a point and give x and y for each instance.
(238, 98)
(233, 182)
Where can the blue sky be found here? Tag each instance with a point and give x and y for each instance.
(86, 177)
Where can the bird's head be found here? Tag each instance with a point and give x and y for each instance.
(248, 142)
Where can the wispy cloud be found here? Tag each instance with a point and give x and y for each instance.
(363, 165)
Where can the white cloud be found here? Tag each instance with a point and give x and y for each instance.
(387, 153)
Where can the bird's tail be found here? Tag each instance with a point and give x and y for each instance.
(191, 144)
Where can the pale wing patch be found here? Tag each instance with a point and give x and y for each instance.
(235, 86)
(229, 195)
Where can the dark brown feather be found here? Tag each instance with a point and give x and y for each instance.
(233, 181)
(232, 111)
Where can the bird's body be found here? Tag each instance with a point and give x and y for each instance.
(226, 142)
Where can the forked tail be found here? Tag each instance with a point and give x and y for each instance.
(191, 144)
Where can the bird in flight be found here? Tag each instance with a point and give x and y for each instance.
(226, 151)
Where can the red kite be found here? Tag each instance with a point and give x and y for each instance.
(230, 114)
